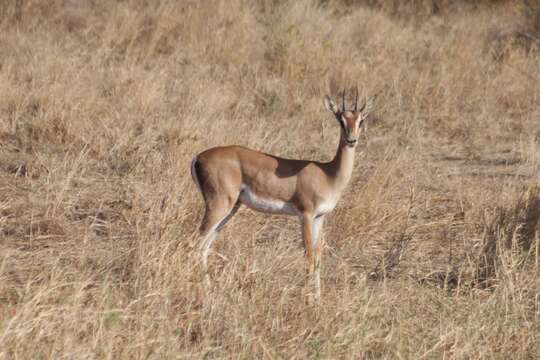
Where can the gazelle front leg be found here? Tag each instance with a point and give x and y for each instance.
(308, 230)
(317, 244)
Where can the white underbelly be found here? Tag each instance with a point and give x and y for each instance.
(266, 205)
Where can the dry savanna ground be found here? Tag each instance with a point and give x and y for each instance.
(433, 252)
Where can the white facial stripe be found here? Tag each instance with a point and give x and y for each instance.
(343, 122)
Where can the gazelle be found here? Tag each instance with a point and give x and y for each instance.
(233, 175)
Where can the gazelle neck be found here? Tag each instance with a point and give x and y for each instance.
(342, 165)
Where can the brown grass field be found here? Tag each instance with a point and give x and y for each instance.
(433, 251)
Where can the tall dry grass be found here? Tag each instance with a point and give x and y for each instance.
(433, 252)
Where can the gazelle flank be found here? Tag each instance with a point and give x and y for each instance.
(234, 175)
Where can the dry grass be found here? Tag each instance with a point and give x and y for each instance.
(432, 253)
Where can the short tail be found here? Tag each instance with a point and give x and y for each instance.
(195, 173)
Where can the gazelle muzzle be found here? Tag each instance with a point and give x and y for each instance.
(351, 142)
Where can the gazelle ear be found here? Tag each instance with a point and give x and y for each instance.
(368, 106)
(330, 105)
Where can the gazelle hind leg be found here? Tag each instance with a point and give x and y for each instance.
(204, 247)
(217, 213)
(234, 210)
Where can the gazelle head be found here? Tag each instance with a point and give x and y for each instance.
(350, 120)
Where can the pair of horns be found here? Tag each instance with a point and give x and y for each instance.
(355, 101)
